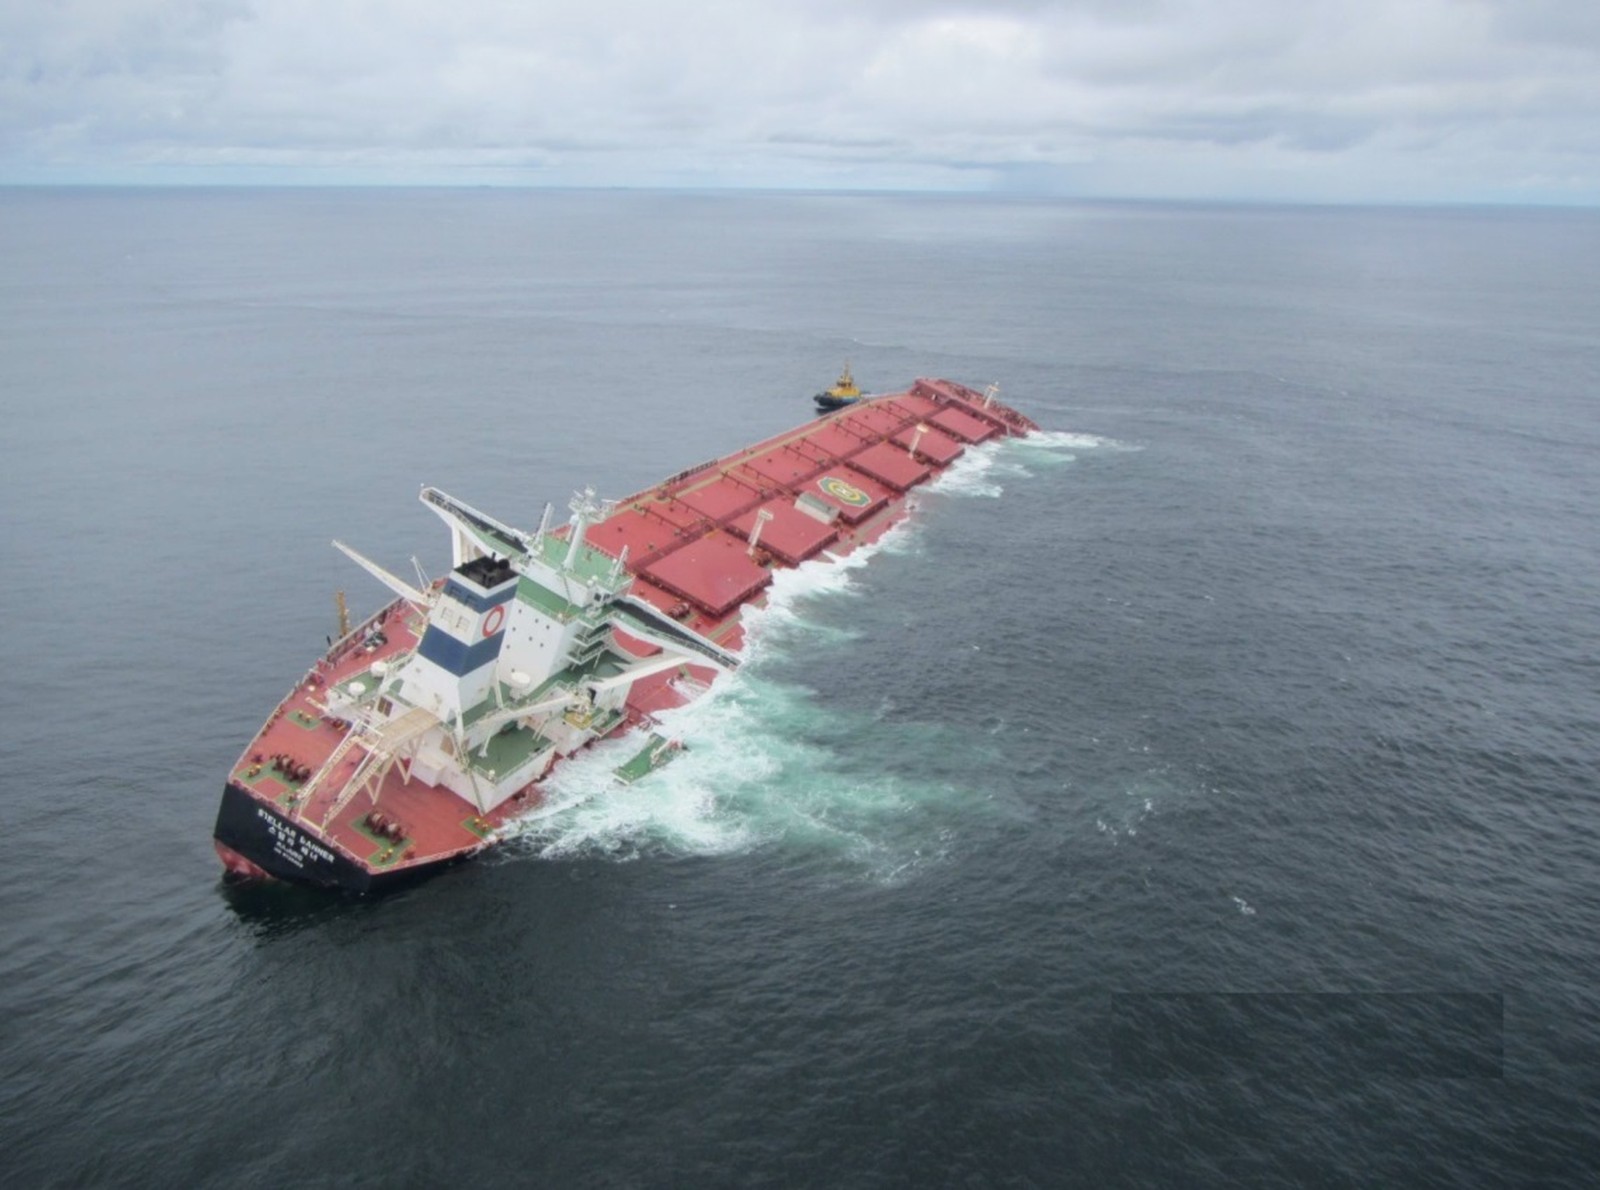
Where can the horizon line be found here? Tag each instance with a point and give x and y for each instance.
(708, 189)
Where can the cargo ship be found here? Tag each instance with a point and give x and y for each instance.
(425, 730)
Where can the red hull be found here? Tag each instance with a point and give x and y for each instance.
(236, 866)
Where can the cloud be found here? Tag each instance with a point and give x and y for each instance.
(1382, 98)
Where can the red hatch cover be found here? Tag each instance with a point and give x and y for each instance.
(784, 467)
(640, 532)
(944, 391)
(808, 449)
(670, 509)
(835, 440)
(916, 405)
(891, 464)
(714, 572)
(723, 498)
(878, 420)
(791, 535)
(855, 495)
(931, 444)
(965, 426)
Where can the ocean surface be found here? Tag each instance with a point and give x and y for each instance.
(1202, 794)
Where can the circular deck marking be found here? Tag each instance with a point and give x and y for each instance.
(846, 493)
(492, 622)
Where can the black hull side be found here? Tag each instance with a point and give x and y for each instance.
(283, 850)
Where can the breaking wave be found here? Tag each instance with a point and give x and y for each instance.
(757, 769)
(971, 474)
(983, 470)
(762, 762)
(767, 761)
(1058, 440)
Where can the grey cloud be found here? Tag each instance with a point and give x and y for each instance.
(1548, 22)
(1090, 94)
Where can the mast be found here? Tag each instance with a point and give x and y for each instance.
(585, 510)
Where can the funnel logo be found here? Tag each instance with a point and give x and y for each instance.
(844, 492)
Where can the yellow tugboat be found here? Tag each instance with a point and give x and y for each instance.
(844, 392)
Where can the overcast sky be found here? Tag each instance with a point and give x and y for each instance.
(1333, 100)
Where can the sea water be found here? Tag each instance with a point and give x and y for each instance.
(1200, 793)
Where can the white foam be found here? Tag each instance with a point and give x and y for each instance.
(982, 470)
(1066, 440)
(1136, 806)
(588, 811)
(757, 765)
(826, 576)
(747, 774)
(752, 772)
(970, 474)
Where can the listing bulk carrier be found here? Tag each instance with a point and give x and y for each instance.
(426, 729)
